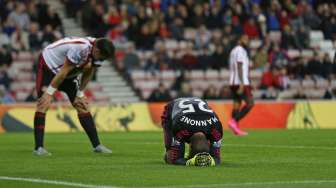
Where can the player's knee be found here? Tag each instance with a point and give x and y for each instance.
(250, 104)
(40, 107)
(81, 107)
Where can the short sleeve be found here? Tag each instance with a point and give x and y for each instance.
(77, 55)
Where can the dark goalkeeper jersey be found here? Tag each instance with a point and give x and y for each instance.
(185, 116)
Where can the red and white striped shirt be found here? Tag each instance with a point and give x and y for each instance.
(77, 50)
(239, 55)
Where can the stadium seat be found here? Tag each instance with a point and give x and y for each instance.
(211, 74)
(308, 84)
(224, 74)
(306, 53)
(292, 54)
(190, 34)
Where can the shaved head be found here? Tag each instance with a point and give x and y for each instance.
(198, 143)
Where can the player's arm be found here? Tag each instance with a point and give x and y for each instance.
(60, 76)
(175, 155)
(240, 75)
(216, 142)
(86, 77)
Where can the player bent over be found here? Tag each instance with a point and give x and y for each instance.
(60, 66)
(190, 120)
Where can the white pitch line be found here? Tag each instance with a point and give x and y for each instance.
(254, 184)
(54, 182)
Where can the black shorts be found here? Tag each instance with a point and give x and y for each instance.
(246, 95)
(44, 77)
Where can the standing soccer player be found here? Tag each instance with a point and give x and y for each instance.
(68, 65)
(240, 84)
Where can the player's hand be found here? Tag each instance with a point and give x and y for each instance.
(81, 103)
(45, 101)
(240, 89)
(201, 159)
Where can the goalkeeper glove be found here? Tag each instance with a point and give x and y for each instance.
(201, 159)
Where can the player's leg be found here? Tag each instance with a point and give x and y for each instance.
(167, 131)
(70, 87)
(249, 103)
(233, 123)
(43, 79)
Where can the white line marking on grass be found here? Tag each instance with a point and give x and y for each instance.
(54, 182)
(254, 184)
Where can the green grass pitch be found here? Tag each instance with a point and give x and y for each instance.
(276, 159)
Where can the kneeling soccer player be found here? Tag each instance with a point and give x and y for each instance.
(190, 120)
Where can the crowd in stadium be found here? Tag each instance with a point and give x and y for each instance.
(24, 26)
(184, 35)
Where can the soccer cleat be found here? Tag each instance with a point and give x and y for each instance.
(41, 152)
(101, 149)
(201, 159)
(233, 125)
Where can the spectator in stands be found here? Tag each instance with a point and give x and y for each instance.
(34, 37)
(152, 64)
(302, 37)
(19, 40)
(186, 90)
(97, 25)
(284, 19)
(204, 59)
(131, 59)
(19, 16)
(210, 93)
(5, 80)
(270, 94)
(300, 94)
(289, 39)
(220, 58)
(161, 94)
(272, 21)
(146, 38)
(5, 56)
(177, 28)
(225, 93)
(251, 28)
(189, 60)
(203, 37)
(327, 66)
(8, 27)
(260, 58)
(198, 18)
(48, 36)
(4, 39)
(315, 66)
(310, 18)
(271, 78)
(32, 97)
(53, 19)
(5, 96)
(277, 57)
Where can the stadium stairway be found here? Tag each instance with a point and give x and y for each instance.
(114, 88)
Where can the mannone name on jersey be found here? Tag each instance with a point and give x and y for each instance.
(200, 123)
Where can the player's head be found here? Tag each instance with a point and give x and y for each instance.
(103, 49)
(243, 40)
(198, 144)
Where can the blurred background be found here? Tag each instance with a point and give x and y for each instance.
(176, 48)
